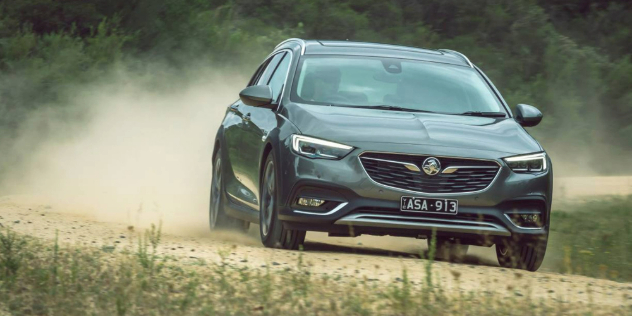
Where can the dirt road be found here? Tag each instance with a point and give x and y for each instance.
(376, 259)
(578, 188)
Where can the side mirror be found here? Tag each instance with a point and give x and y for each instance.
(256, 95)
(527, 115)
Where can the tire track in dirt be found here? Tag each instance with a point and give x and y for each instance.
(373, 259)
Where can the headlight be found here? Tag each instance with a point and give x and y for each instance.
(317, 148)
(527, 163)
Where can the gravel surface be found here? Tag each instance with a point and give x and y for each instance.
(376, 259)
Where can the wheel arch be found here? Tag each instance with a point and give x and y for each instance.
(217, 144)
(278, 142)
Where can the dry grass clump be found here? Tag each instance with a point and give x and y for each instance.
(39, 278)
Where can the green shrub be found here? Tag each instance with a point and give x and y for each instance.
(594, 239)
(537, 52)
(11, 253)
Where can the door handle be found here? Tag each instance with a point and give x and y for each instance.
(234, 107)
(247, 117)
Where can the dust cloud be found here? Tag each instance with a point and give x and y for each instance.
(129, 148)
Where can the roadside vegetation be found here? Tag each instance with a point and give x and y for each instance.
(571, 59)
(47, 278)
(593, 238)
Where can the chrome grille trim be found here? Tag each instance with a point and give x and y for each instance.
(477, 182)
(409, 166)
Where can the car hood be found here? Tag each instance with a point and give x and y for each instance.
(352, 125)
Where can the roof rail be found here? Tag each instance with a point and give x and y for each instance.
(458, 54)
(300, 41)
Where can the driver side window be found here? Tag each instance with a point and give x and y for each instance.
(278, 79)
(273, 72)
(272, 65)
(264, 71)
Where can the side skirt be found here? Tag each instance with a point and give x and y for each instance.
(236, 209)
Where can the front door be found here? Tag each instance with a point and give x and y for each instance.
(242, 139)
(260, 121)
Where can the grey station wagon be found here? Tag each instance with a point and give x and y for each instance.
(356, 138)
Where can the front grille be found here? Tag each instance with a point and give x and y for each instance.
(390, 169)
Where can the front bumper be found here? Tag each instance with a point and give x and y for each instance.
(358, 205)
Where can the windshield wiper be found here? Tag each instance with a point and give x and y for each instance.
(485, 114)
(382, 107)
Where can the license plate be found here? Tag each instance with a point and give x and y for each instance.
(439, 206)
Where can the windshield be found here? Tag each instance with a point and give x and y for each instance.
(370, 81)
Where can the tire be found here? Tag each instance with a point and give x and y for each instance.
(218, 219)
(450, 250)
(271, 230)
(521, 255)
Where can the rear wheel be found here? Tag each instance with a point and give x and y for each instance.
(271, 229)
(450, 249)
(217, 216)
(521, 255)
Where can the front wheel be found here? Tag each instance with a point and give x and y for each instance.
(521, 255)
(273, 234)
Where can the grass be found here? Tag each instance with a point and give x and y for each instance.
(46, 278)
(593, 239)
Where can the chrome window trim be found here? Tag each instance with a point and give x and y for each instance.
(287, 74)
(467, 60)
(336, 209)
(269, 58)
(300, 41)
(430, 193)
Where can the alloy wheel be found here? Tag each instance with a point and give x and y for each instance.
(216, 191)
(268, 200)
